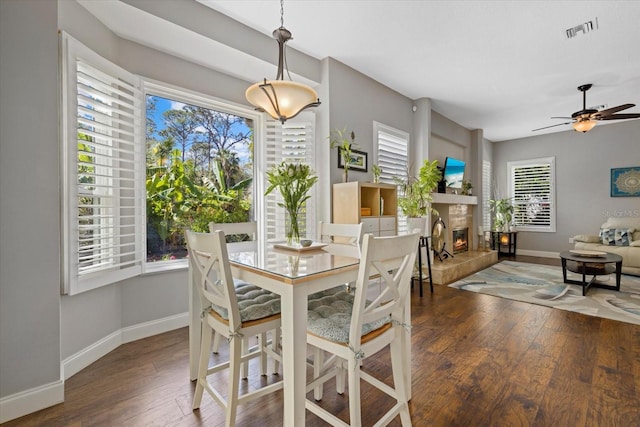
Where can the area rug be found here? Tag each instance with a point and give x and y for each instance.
(543, 285)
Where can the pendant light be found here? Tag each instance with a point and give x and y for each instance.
(281, 99)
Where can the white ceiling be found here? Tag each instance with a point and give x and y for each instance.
(502, 66)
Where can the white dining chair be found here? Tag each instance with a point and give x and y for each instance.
(357, 331)
(345, 234)
(236, 232)
(233, 312)
(342, 239)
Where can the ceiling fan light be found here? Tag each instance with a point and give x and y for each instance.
(584, 125)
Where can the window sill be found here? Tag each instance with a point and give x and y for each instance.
(165, 266)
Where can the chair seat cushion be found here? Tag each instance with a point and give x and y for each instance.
(254, 303)
(329, 315)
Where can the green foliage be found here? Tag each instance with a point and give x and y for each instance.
(194, 174)
(293, 180)
(466, 187)
(377, 171)
(338, 139)
(503, 210)
(176, 203)
(415, 199)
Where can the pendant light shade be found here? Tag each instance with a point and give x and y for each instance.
(281, 99)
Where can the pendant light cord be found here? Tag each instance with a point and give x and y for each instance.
(284, 53)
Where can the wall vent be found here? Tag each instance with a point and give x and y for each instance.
(583, 28)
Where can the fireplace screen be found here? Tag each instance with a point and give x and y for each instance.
(460, 240)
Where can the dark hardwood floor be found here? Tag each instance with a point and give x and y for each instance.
(477, 360)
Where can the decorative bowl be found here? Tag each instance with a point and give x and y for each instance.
(305, 243)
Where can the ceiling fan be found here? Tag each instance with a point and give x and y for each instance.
(585, 119)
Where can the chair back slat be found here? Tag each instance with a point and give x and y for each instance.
(346, 234)
(236, 228)
(392, 258)
(209, 265)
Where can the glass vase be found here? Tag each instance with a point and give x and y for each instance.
(293, 228)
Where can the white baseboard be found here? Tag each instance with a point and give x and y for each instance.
(154, 327)
(85, 357)
(540, 254)
(35, 399)
(28, 401)
(77, 362)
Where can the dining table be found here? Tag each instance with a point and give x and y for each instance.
(293, 274)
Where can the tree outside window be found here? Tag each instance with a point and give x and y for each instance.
(199, 169)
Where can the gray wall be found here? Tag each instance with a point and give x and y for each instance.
(356, 102)
(29, 198)
(583, 165)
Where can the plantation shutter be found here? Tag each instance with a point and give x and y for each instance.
(533, 195)
(103, 162)
(292, 142)
(486, 195)
(393, 146)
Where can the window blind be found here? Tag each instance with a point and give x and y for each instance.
(292, 142)
(486, 195)
(392, 157)
(533, 194)
(103, 163)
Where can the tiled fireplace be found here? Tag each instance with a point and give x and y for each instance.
(456, 212)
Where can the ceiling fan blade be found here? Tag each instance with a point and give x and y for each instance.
(619, 116)
(547, 127)
(566, 118)
(612, 110)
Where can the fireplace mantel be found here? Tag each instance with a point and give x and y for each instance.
(453, 199)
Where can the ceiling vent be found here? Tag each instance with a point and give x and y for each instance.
(583, 28)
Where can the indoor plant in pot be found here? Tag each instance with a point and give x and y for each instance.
(415, 194)
(503, 210)
(345, 144)
(293, 180)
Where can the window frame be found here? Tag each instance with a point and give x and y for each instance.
(175, 93)
(512, 167)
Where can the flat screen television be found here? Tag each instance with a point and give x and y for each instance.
(453, 172)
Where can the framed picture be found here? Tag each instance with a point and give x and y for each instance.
(625, 182)
(358, 161)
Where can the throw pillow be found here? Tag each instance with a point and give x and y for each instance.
(616, 236)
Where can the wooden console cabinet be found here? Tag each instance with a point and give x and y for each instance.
(375, 205)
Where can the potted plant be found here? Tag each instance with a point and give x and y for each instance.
(338, 139)
(503, 209)
(466, 187)
(293, 180)
(377, 171)
(415, 193)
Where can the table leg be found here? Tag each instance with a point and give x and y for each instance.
(294, 354)
(618, 274)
